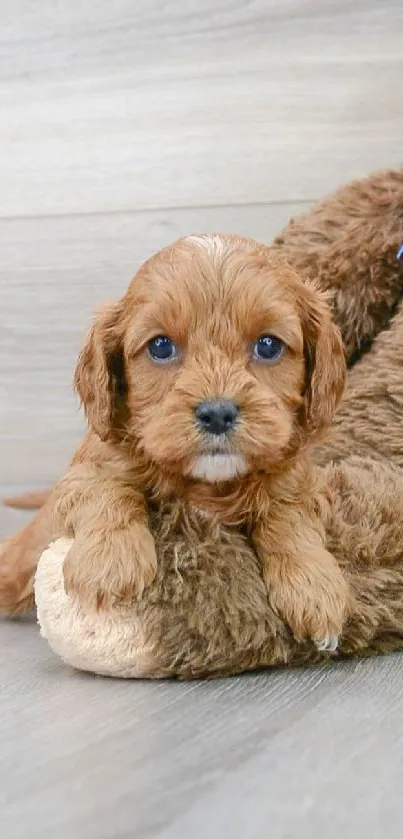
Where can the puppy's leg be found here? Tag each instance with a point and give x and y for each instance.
(305, 583)
(28, 500)
(113, 557)
(19, 557)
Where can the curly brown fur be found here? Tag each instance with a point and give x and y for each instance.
(348, 244)
(18, 560)
(370, 419)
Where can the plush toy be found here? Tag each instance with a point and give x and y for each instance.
(207, 613)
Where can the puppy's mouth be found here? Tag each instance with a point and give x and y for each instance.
(218, 465)
(217, 460)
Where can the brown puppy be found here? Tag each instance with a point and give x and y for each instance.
(206, 381)
(348, 244)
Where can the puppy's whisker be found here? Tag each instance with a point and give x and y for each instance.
(212, 444)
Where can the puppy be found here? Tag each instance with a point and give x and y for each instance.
(209, 380)
(349, 241)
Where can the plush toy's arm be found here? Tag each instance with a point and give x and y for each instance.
(113, 556)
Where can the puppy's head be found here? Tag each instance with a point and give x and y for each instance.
(218, 361)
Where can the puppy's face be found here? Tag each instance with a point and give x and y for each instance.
(218, 361)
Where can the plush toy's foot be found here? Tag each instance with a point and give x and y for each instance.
(111, 643)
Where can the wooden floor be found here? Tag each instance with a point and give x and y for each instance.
(124, 125)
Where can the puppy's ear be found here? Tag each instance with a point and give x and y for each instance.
(100, 376)
(325, 361)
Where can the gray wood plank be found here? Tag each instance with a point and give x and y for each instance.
(147, 105)
(314, 752)
(124, 126)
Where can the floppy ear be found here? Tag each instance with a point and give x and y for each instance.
(99, 378)
(325, 361)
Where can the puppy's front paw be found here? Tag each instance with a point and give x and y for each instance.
(111, 567)
(313, 601)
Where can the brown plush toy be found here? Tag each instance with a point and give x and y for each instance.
(207, 612)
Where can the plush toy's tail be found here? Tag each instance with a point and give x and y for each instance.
(28, 500)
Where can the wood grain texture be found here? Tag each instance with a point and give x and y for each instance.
(282, 754)
(153, 104)
(125, 125)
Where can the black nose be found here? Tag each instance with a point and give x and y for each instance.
(217, 417)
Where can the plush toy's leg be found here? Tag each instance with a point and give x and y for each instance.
(19, 557)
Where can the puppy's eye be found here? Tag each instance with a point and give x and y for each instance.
(268, 348)
(161, 349)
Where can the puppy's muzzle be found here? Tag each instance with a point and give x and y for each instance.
(217, 417)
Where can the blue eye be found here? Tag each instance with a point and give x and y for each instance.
(269, 348)
(161, 348)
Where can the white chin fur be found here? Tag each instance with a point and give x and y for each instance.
(218, 467)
